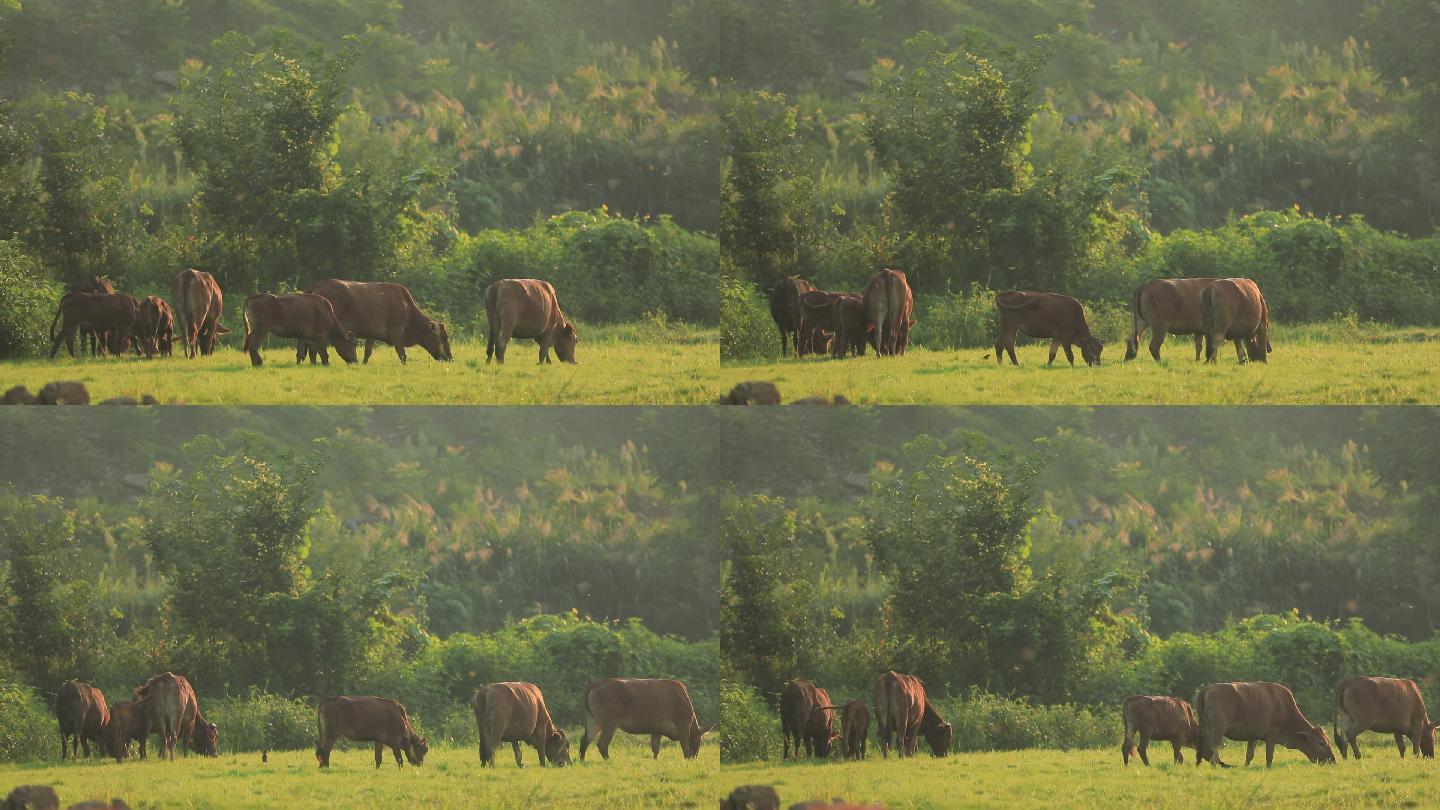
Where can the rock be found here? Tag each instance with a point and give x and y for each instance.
(859, 481)
(857, 77)
(137, 480)
(752, 797)
(19, 395)
(64, 393)
(169, 78)
(32, 797)
(752, 393)
(120, 401)
(149, 400)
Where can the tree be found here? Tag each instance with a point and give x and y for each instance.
(44, 590)
(765, 194)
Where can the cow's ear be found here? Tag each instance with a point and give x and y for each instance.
(568, 328)
(705, 729)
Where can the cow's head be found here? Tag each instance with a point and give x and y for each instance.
(565, 343)
(691, 744)
(436, 340)
(939, 736)
(114, 741)
(1252, 349)
(322, 756)
(1090, 349)
(557, 747)
(417, 749)
(344, 342)
(205, 739)
(1427, 740)
(1315, 744)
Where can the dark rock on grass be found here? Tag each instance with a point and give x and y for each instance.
(64, 393)
(751, 797)
(31, 797)
(752, 393)
(19, 395)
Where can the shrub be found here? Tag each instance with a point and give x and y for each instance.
(960, 321)
(985, 722)
(261, 721)
(27, 303)
(746, 329)
(27, 728)
(748, 729)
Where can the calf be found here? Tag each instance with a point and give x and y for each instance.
(1384, 705)
(851, 327)
(156, 327)
(817, 322)
(1045, 315)
(309, 318)
(1166, 719)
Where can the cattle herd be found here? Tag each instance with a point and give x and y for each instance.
(1213, 310)
(1253, 712)
(333, 313)
(511, 712)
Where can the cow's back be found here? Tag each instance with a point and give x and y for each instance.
(1385, 704)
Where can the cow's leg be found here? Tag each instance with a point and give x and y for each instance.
(85, 744)
(1069, 355)
(370, 347)
(784, 349)
(1199, 346)
(399, 351)
(1250, 751)
(1179, 757)
(379, 754)
(302, 348)
(603, 744)
(784, 734)
(1145, 748)
(1157, 339)
(1269, 753)
(1400, 743)
(515, 746)
(544, 351)
(324, 352)
(252, 345)
(654, 746)
(1354, 738)
(64, 743)
(1240, 351)
(1054, 349)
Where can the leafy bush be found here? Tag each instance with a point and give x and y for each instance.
(27, 303)
(986, 722)
(262, 722)
(748, 729)
(26, 726)
(746, 329)
(960, 321)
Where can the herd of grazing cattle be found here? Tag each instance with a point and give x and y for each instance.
(1213, 310)
(332, 313)
(1253, 712)
(511, 712)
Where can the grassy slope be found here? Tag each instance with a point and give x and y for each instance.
(1093, 779)
(617, 366)
(450, 778)
(1393, 367)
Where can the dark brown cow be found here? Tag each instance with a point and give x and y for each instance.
(1167, 306)
(855, 725)
(198, 305)
(851, 326)
(382, 310)
(1235, 310)
(515, 712)
(659, 707)
(527, 308)
(889, 305)
(83, 715)
(902, 710)
(1154, 717)
(308, 318)
(112, 316)
(369, 719)
(1045, 315)
(807, 717)
(88, 336)
(194, 732)
(817, 322)
(130, 721)
(1255, 712)
(785, 310)
(1386, 706)
(155, 327)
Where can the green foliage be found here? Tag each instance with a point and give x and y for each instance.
(259, 721)
(27, 303)
(986, 722)
(26, 726)
(765, 195)
(749, 729)
(764, 591)
(747, 330)
(42, 600)
(959, 320)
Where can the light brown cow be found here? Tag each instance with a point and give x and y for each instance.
(902, 710)
(889, 307)
(515, 712)
(369, 719)
(168, 702)
(129, 722)
(1255, 712)
(1235, 310)
(785, 310)
(194, 731)
(527, 308)
(1167, 306)
(382, 310)
(83, 715)
(1384, 705)
(1045, 315)
(155, 328)
(659, 707)
(807, 717)
(198, 305)
(111, 316)
(307, 318)
(1155, 717)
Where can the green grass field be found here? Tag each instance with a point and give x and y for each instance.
(1096, 779)
(1309, 367)
(450, 778)
(634, 364)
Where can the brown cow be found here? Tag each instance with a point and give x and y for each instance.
(785, 310)
(309, 318)
(659, 707)
(889, 305)
(527, 308)
(1045, 315)
(1167, 306)
(194, 731)
(112, 316)
(198, 306)
(1235, 310)
(855, 724)
(382, 310)
(369, 719)
(129, 722)
(168, 701)
(1154, 717)
(1384, 705)
(902, 709)
(88, 336)
(1256, 711)
(851, 326)
(155, 328)
(83, 715)
(807, 716)
(515, 712)
(817, 322)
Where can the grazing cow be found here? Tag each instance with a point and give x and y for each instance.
(1256, 711)
(83, 715)
(110, 315)
(1384, 705)
(1161, 718)
(659, 707)
(308, 318)
(889, 305)
(194, 732)
(817, 322)
(515, 712)
(902, 710)
(369, 719)
(527, 308)
(1045, 315)
(855, 723)
(785, 310)
(1167, 306)
(129, 722)
(807, 716)
(155, 327)
(851, 332)
(382, 310)
(1235, 310)
(198, 306)
(88, 336)
(168, 701)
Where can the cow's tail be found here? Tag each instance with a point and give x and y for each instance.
(1207, 317)
(1127, 747)
(482, 719)
(59, 308)
(1335, 724)
(249, 328)
(1132, 348)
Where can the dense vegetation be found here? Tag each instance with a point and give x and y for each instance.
(279, 556)
(425, 142)
(1085, 146)
(1036, 566)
